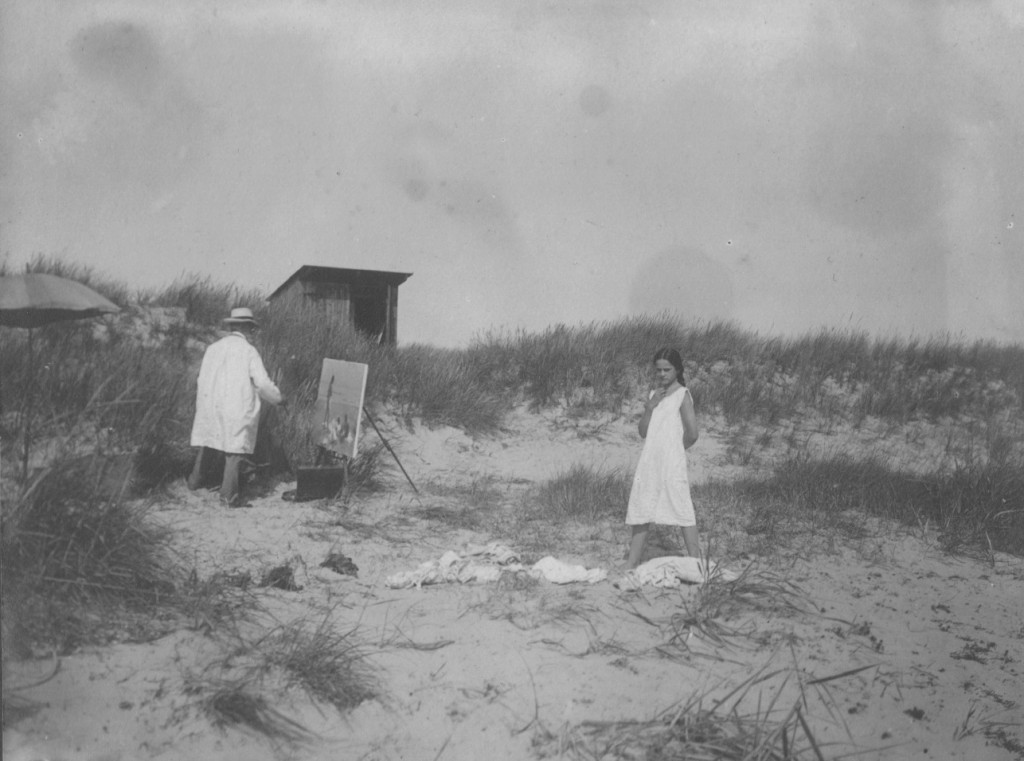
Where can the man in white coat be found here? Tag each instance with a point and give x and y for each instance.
(232, 383)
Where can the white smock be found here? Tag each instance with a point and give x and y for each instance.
(661, 486)
(232, 381)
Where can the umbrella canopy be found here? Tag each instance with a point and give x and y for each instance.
(35, 299)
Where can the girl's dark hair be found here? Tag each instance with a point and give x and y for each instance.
(673, 358)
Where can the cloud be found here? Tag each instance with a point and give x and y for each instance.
(685, 281)
(874, 159)
(119, 52)
(786, 164)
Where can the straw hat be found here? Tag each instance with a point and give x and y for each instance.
(241, 316)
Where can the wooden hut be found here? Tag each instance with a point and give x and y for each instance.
(367, 299)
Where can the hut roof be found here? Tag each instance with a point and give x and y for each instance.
(341, 275)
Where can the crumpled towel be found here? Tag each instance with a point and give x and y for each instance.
(487, 563)
(671, 572)
(494, 551)
(453, 567)
(560, 572)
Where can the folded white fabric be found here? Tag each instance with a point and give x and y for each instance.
(672, 571)
(560, 572)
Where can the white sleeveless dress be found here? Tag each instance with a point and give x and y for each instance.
(661, 486)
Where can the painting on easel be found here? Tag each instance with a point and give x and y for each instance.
(338, 409)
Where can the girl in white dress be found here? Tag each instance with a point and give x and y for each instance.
(661, 487)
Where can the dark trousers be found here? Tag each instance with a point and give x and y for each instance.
(230, 491)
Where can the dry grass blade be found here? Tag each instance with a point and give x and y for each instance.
(719, 600)
(232, 705)
(536, 702)
(527, 611)
(702, 728)
(402, 640)
(327, 662)
(810, 735)
(840, 675)
(426, 646)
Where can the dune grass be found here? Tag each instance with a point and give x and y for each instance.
(81, 565)
(582, 493)
(76, 551)
(745, 724)
(205, 301)
(112, 289)
(64, 535)
(99, 395)
(596, 366)
(235, 704)
(715, 613)
(325, 659)
(978, 505)
(748, 376)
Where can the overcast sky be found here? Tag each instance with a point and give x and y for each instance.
(787, 164)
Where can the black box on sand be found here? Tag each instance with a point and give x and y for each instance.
(320, 482)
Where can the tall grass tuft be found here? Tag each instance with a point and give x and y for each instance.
(976, 504)
(232, 704)
(206, 302)
(69, 547)
(713, 612)
(327, 661)
(584, 494)
(744, 724)
(442, 386)
(545, 368)
(89, 393)
(324, 660)
(64, 535)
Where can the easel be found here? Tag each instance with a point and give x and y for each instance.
(392, 451)
(338, 413)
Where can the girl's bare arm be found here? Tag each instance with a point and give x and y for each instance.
(645, 419)
(691, 431)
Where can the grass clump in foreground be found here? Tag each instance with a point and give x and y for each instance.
(713, 611)
(68, 550)
(81, 565)
(324, 661)
(701, 727)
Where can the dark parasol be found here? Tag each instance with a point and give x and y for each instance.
(36, 299)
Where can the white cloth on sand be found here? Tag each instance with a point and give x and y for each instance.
(672, 571)
(477, 563)
(661, 487)
(559, 572)
(487, 563)
(232, 382)
(492, 551)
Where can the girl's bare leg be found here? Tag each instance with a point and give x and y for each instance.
(636, 544)
(692, 541)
